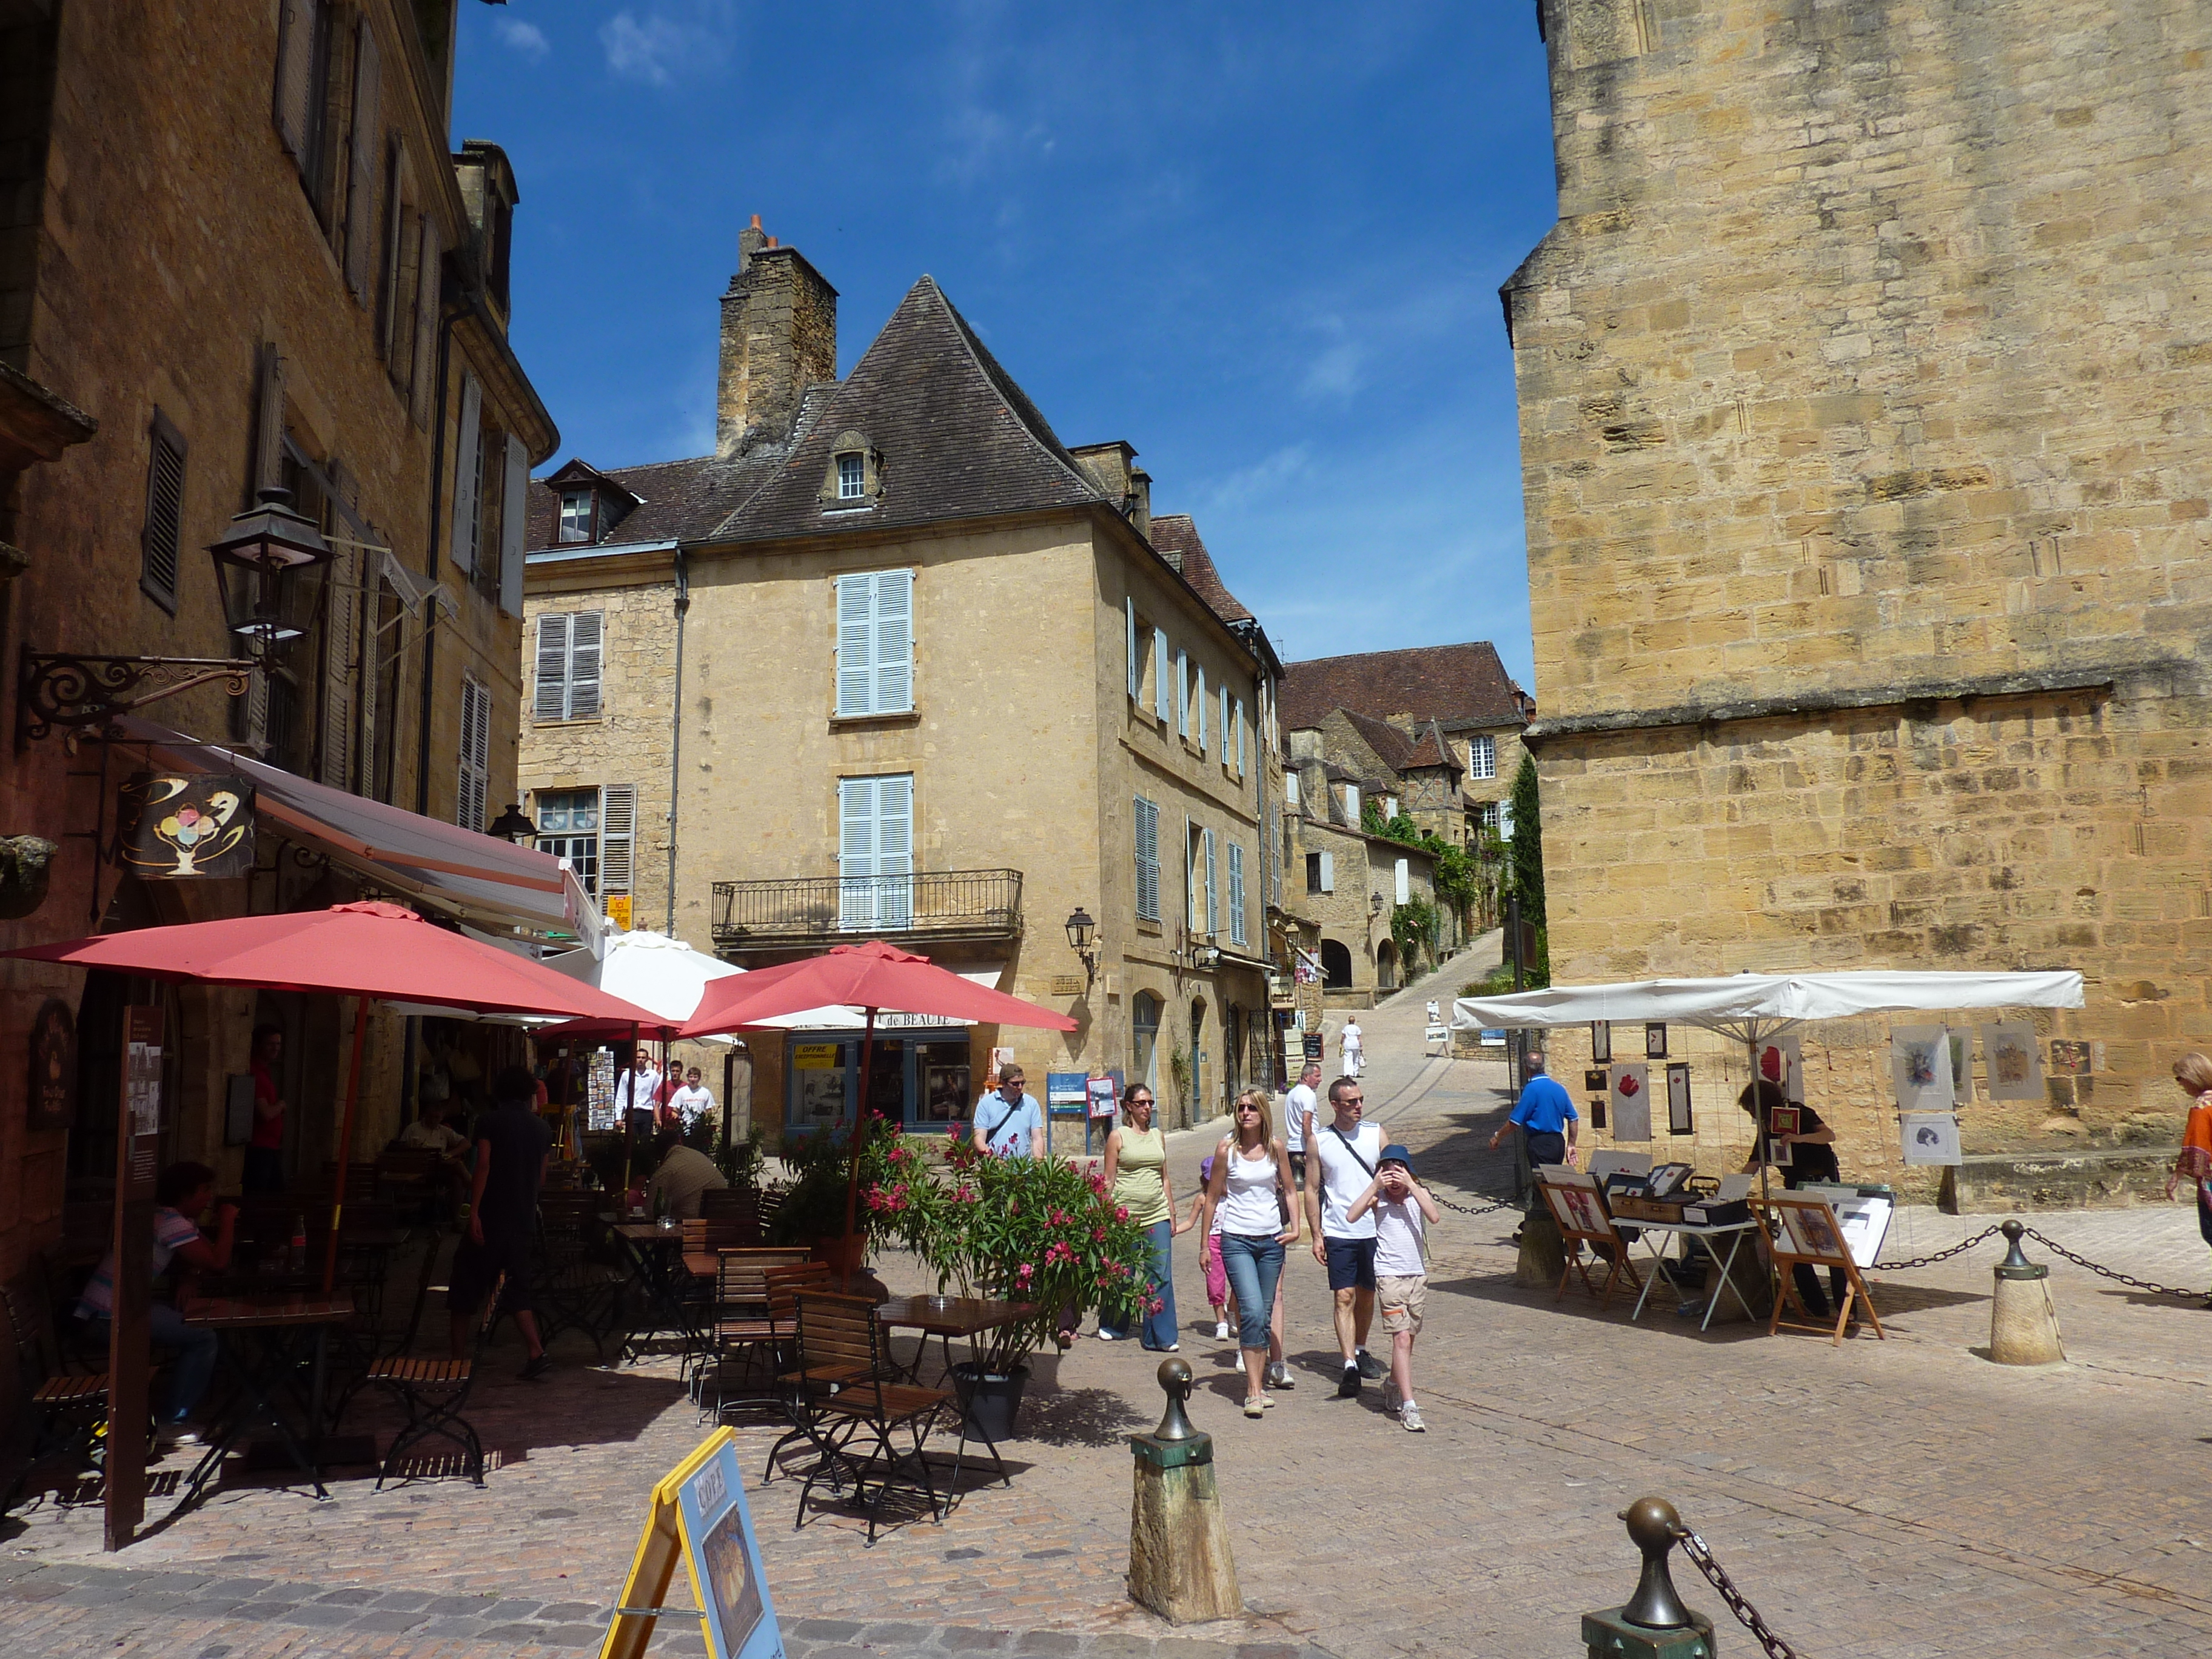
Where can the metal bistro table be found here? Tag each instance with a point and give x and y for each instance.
(945, 1317)
(1737, 1230)
(656, 1255)
(276, 1330)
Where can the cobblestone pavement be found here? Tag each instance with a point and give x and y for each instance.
(1899, 1498)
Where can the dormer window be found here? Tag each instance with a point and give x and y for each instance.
(576, 515)
(854, 481)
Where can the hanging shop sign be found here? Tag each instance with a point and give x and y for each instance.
(53, 1066)
(171, 828)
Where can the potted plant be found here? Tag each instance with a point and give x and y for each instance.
(813, 1209)
(1034, 1231)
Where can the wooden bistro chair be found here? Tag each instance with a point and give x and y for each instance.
(1585, 1219)
(434, 1392)
(737, 1204)
(580, 1285)
(841, 1335)
(65, 1409)
(740, 1330)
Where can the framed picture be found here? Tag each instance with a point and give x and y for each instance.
(947, 1100)
(1781, 1062)
(1654, 1042)
(1600, 1042)
(1929, 1138)
(1920, 1067)
(1678, 1098)
(1631, 1102)
(2014, 1066)
(1594, 1081)
(1598, 1112)
(1782, 1121)
(2069, 1057)
(1812, 1231)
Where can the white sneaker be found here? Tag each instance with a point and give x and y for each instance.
(1279, 1375)
(1105, 1335)
(1220, 1330)
(1410, 1416)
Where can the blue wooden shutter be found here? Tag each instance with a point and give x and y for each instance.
(1183, 694)
(1160, 672)
(550, 700)
(856, 849)
(1201, 709)
(1235, 894)
(1148, 859)
(856, 641)
(1212, 888)
(894, 632)
(1129, 616)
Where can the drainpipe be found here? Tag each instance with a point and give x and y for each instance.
(676, 738)
(430, 564)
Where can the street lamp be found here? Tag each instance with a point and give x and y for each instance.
(1080, 928)
(270, 564)
(513, 824)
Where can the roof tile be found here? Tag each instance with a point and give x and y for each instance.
(1458, 684)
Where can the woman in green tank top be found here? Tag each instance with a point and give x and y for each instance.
(1137, 1174)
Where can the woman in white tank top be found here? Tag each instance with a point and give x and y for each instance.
(1250, 1169)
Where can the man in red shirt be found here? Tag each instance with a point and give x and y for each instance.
(264, 1148)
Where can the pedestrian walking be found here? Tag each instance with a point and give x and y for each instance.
(693, 1101)
(1217, 1281)
(512, 1148)
(1403, 1211)
(1016, 1122)
(2193, 1073)
(1546, 1116)
(1137, 1176)
(1300, 1109)
(1251, 1174)
(1351, 1047)
(1342, 1156)
(635, 1092)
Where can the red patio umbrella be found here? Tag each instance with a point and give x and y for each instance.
(367, 951)
(873, 976)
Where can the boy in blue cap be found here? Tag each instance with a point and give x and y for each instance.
(1403, 1211)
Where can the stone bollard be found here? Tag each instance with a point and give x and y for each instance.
(1179, 1561)
(1654, 1624)
(2023, 1319)
(1543, 1253)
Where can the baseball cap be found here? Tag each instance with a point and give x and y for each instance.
(1394, 1153)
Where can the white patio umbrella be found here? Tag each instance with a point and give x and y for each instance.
(664, 974)
(1755, 1008)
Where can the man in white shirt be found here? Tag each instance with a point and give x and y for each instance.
(1343, 1154)
(634, 1094)
(1299, 1110)
(692, 1102)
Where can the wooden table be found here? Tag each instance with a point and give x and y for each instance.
(280, 1325)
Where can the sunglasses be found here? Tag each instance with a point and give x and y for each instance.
(1247, 1106)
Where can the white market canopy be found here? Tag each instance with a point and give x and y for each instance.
(1756, 1008)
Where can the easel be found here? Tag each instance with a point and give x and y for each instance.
(1798, 1240)
(700, 1516)
(1573, 1235)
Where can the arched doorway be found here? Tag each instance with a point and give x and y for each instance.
(1145, 1041)
(1335, 965)
(1386, 966)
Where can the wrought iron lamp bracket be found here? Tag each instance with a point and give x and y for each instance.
(81, 694)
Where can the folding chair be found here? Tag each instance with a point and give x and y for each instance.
(434, 1392)
(733, 1204)
(842, 1333)
(1580, 1210)
(66, 1409)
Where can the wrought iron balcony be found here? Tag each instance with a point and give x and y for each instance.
(933, 905)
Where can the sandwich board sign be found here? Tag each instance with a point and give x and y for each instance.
(700, 1517)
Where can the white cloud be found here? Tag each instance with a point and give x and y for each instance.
(527, 38)
(679, 38)
(1258, 482)
(1335, 372)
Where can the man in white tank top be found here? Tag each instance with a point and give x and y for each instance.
(1341, 1156)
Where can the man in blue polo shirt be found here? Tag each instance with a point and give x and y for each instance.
(1546, 1117)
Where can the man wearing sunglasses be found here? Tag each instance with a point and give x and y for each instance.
(1009, 1123)
(1340, 1160)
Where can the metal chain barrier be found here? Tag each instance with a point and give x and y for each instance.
(2056, 1249)
(1940, 1255)
(1739, 1603)
(1474, 1209)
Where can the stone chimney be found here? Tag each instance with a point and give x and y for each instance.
(1113, 467)
(779, 337)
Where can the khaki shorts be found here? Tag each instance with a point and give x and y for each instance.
(1401, 1299)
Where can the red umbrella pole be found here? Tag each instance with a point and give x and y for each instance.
(345, 1141)
(852, 1178)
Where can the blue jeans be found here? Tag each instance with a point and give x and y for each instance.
(1158, 1329)
(190, 1372)
(1254, 1263)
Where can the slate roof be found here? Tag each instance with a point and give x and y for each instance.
(1175, 536)
(1430, 750)
(1460, 685)
(1391, 746)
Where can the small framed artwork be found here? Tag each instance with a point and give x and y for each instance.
(1782, 1121)
(1654, 1042)
(1594, 1081)
(1678, 1098)
(1600, 1042)
(1597, 1111)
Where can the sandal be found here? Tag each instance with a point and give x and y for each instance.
(1255, 1406)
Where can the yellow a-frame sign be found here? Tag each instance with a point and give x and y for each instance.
(699, 1515)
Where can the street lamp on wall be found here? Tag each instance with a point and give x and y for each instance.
(1080, 931)
(513, 824)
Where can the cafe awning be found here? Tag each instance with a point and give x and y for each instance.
(480, 879)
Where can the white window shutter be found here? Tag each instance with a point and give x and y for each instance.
(618, 837)
(1160, 693)
(474, 754)
(1147, 819)
(1190, 854)
(389, 325)
(1130, 618)
(1201, 709)
(894, 851)
(296, 73)
(856, 851)
(1212, 888)
(427, 303)
(514, 513)
(550, 701)
(894, 632)
(1239, 737)
(856, 666)
(1183, 694)
(1235, 894)
(1225, 726)
(586, 631)
(1328, 872)
(1405, 881)
(468, 474)
(365, 153)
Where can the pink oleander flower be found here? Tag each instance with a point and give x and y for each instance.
(1059, 1218)
(1120, 1213)
(966, 1195)
(1097, 1235)
(1026, 1272)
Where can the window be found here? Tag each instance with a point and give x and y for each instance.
(303, 69)
(1239, 737)
(1352, 805)
(875, 852)
(1291, 787)
(1489, 817)
(476, 754)
(852, 479)
(364, 158)
(1321, 872)
(1225, 706)
(569, 828)
(1235, 894)
(569, 647)
(468, 476)
(1389, 808)
(1405, 881)
(875, 643)
(1212, 887)
(1145, 1040)
(575, 515)
(1482, 757)
(164, 508)
(1147, 819)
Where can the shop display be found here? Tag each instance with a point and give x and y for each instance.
(1654, 1042)
(599, 1095)
(1678, 1098)
(2014, 1068)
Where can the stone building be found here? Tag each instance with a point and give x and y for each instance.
(1865, 406)
(895, 662)
(269, 271)
(1345, 883)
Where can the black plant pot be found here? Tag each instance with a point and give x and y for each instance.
(989, 1404)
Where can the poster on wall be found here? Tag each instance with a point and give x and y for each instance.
(53, 1066)
(1930, 1137)
(1104, 1093)
(1600, 1042)
(1962, 1066)
(1632, 1100)
(1678, 1098)
(944, 1096)
(2014, 1068)
(1920, 1067)
(817, 1083)
(1781, 1062)
(599, 1092)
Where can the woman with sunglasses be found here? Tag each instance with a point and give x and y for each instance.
(1137, 1175)
(1251, 1171)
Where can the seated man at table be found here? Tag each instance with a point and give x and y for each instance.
(431, 1133)
(682, 1173)
(184, 1191)
(512, 1146)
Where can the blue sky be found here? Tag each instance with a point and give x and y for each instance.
(1260, 242)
